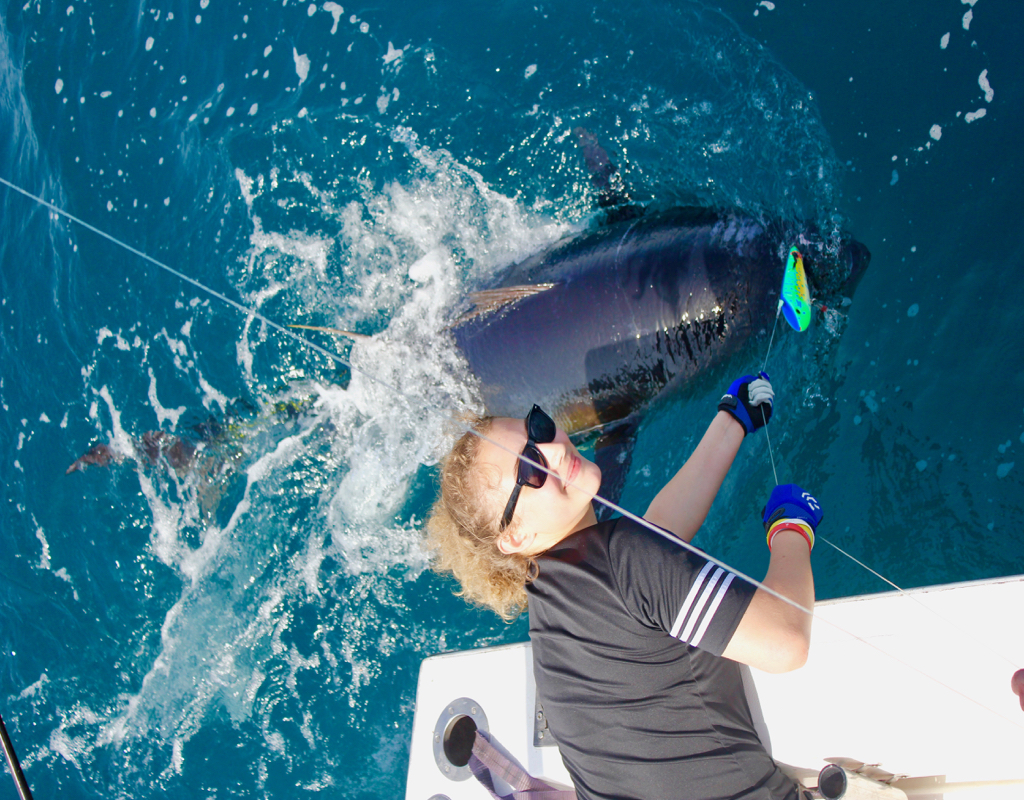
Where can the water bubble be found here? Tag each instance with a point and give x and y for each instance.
(913, 310)
(922, 465)
(1004, 469)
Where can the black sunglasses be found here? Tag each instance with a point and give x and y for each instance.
(540, 429)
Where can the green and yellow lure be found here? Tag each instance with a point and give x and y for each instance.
(795, 302)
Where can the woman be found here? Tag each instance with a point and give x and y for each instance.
(635, 638)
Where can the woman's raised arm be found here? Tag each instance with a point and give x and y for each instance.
(683, 503)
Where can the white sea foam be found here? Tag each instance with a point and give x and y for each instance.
(335, 11)
(211, 395)
(205, 626)
(44, 555)
(34, 688)
(162, 414)
(176, 346)
(120, 342)
(120, 440)
(411, 249)
(301, 66)
(985, 86)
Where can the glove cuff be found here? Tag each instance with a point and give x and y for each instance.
(734, 408)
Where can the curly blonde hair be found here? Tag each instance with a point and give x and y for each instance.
(463, 532)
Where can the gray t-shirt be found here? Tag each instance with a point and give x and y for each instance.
(628, 628)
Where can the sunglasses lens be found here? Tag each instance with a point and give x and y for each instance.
(540, 429)
(539, 426)
(529, 475)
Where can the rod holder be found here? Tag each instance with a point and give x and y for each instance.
(836, 783)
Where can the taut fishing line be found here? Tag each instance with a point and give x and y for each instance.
(804, 318)
(795, 303)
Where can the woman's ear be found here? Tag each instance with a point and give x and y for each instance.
(513, 541)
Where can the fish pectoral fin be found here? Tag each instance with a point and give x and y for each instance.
(490, 300)
(613, 453)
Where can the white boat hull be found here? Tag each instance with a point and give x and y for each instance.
(927, 698)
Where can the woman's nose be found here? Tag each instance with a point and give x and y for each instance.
(554, 452)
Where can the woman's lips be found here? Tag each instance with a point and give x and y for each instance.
(574, 469)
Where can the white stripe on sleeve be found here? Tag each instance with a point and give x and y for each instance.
(712, 610)
(685, 607)
(709, 588)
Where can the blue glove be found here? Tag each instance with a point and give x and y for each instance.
(791, 508)
(789, 501)
(749, 400)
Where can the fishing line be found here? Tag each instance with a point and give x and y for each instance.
(797, 302)
(212, 292)
(763, 417)
(931, 610)
(468, 429)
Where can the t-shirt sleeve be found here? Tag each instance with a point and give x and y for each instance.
(667, 587)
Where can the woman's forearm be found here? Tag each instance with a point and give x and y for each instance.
(773, 635)
(683, 503)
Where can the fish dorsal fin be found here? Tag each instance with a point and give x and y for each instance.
(490, 300)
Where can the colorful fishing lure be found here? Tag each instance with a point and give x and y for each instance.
(796, 300)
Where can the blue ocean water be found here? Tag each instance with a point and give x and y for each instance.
(253, 626)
